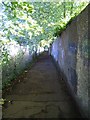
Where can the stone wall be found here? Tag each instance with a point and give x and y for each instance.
(70, 52)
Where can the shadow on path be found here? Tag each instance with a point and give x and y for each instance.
(40, 94)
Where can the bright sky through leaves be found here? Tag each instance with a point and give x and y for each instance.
(35, 23)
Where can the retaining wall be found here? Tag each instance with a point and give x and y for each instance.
(70, 52)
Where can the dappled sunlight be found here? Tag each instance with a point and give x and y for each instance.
(33, 24)
(44, 59)
(14, 49)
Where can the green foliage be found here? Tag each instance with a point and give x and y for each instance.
(29, 23)
(72, 15)
(5, 54)
(34, 24)
(59, 30)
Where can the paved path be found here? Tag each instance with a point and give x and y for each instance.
(40, 94)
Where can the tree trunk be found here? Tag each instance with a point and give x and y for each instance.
(64, 8)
